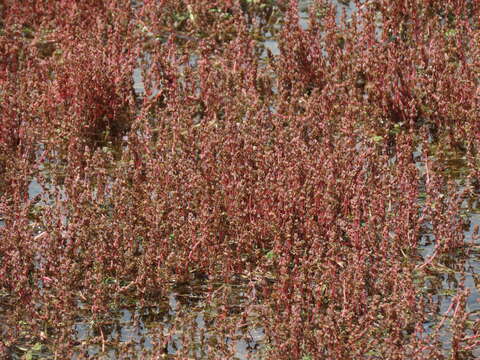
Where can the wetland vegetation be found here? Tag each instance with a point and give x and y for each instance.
(239, 179)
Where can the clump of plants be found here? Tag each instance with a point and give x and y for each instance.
(317, 196)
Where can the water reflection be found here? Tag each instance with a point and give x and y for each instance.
(269, 42)
(162, 327)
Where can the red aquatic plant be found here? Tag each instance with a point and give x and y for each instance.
(303, 158)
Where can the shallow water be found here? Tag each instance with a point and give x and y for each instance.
(186, 311)
(142, 326)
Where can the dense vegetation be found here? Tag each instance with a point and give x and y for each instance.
(309, 180)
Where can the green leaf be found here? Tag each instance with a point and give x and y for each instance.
(447, 292)
(109, 280)
(270, 255)
(377, 138)
(37, 347)
(450, 33)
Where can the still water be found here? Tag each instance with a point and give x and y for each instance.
(185, 311)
